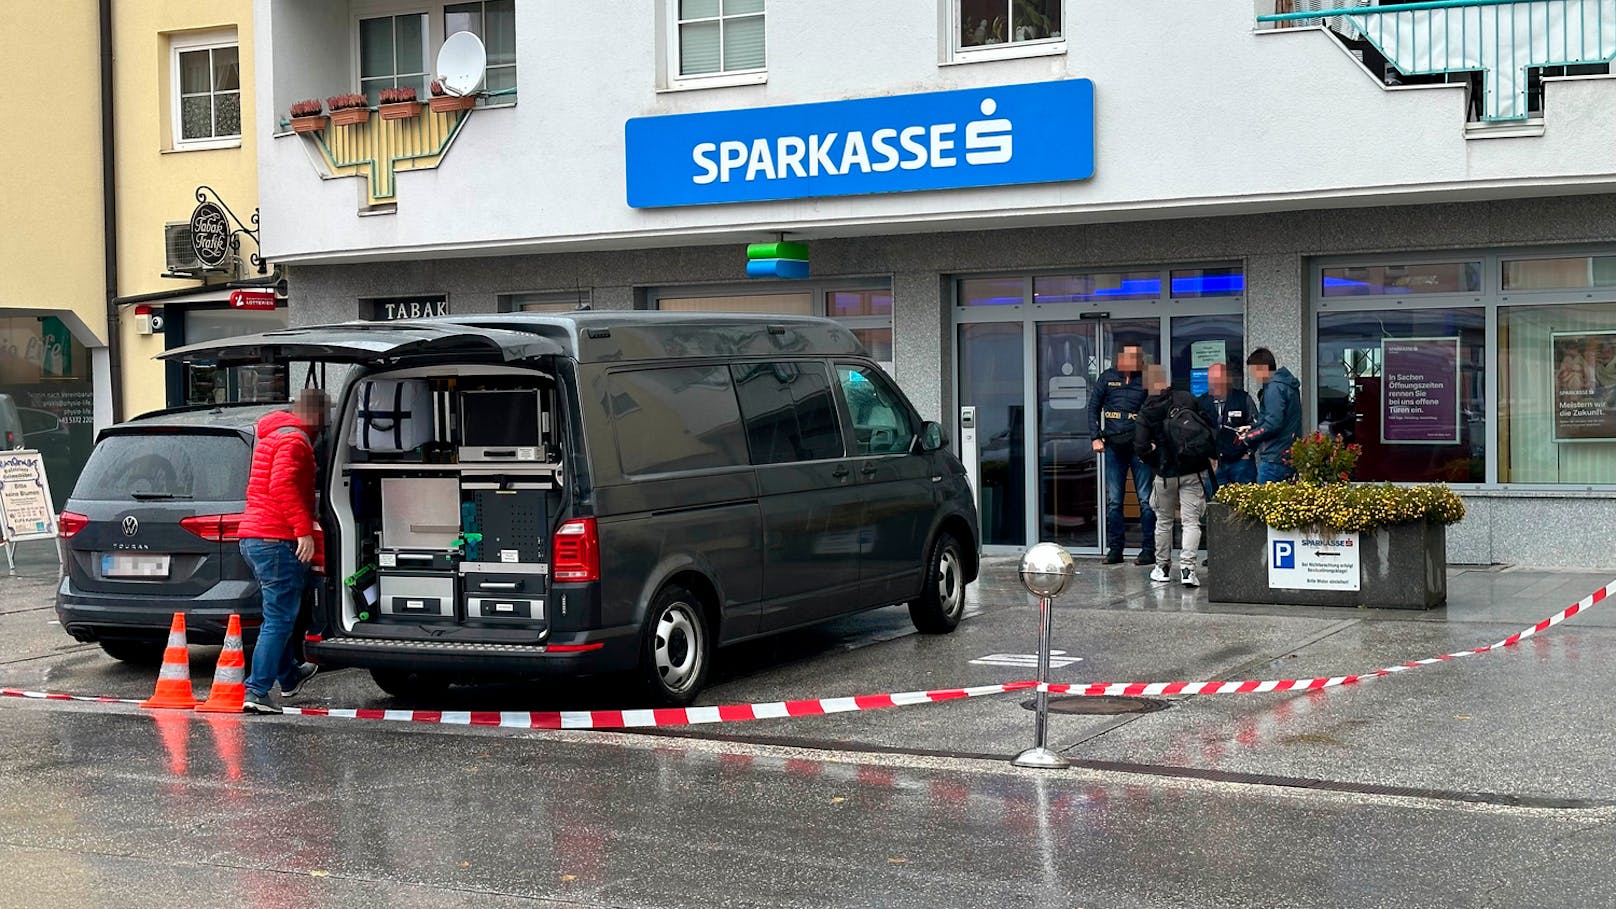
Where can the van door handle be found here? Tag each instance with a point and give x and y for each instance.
(840, 472)
(868, 470)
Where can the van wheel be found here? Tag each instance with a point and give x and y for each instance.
(677, 648)
(135, 653)
(942, 598)
(409, 686)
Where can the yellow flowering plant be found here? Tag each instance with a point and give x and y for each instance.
(1323, 495)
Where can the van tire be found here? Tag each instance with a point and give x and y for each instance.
(135, 653)
(942, 598)
(676, 644)
(409, 686)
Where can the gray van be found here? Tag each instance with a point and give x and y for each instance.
(526, 495)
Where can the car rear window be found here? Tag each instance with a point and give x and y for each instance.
(185, 465)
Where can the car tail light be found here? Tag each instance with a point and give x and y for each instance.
(70, 523)
(11, 439)
(215, 528)
(318, 565)
(576, 551)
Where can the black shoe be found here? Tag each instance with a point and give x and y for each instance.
(1146, 557)
(305, 672)
(1113, 557)
(260, 703)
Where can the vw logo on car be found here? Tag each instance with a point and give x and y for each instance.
(131, 526)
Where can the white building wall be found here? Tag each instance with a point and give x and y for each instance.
(1198, 113)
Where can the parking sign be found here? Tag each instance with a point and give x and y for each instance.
(1313, 560)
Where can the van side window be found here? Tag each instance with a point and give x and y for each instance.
(790, 413)
(880, 421)
(675, 418)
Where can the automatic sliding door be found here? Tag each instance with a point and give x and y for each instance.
(1068, 489)
(992, 379)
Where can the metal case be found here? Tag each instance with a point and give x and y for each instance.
(513, 523)
(421, 513)
(418, 595)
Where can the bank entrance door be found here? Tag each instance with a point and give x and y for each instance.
(1027, 367)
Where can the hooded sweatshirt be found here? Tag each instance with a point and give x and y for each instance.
(280, 490)
(1279, 420)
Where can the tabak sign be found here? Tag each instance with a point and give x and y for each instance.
(404, 309)
(210, 234)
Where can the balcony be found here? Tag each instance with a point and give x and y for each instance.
(1503, 50)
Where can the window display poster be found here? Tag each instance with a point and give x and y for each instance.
(1419, 391)
(26, 511)
(1202, 355)
(1584, 386)
(1313, 560)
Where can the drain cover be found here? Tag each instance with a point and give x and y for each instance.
(1100, 706)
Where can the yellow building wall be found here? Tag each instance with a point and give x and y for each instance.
(50, 189)
(156, 183)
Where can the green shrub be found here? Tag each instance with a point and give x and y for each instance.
(1348, 507)
(1320, 459)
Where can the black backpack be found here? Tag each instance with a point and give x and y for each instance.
(1191, 440)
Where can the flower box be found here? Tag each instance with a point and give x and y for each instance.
(308, 124)
(402, 110)
(350, 116)
(1401, 566)
(441, 104)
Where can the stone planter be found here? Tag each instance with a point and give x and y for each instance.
(1402, 567)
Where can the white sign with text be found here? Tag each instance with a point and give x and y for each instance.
(1313, 560)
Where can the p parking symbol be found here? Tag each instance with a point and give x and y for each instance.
(1284, 554)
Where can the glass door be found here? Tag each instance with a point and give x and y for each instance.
(991, 379)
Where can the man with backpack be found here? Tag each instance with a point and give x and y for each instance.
(1174, 437)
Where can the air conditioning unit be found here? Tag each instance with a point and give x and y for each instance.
(180, 257)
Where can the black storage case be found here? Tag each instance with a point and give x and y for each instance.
(511, 520)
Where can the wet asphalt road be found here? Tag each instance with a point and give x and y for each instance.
(1503, 791)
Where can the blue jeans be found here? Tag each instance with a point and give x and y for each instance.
(1273, 472)
(1241, 471)
(281, 579)
(1117, 469)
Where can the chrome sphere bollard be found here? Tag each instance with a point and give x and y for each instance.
(1046, 570)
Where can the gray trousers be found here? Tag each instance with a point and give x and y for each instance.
(1186, 498)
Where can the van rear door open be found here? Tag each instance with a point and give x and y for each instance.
(371, 343)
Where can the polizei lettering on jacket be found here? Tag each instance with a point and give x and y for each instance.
(902, 147)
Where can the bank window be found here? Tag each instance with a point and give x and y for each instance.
(206, 81)
(392, 54)
(868, 315)
(993, 24)
(992, 291)
(555, 301)
(718, 37)
(1130, 285)
(1197, 283)
(1557, 393)
(792, 304)
(1401, 280)
(1571, 273)
(675, 419)
(494, 22)
(881, 423)
(789, 411)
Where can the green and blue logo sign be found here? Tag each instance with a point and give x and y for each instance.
(1041, 132)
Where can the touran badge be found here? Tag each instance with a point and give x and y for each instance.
(130, 526)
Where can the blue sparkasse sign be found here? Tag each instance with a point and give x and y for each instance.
(1042, 132)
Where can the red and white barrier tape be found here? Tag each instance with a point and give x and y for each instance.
(671, 716)
(688, 716)
(1263, 686)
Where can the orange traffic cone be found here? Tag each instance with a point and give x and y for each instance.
(174, 681)
(229, 691)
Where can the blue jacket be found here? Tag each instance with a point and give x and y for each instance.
(1114, 404)
(1279, 423)
(1238, 411)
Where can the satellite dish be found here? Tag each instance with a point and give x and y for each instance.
(461, 62)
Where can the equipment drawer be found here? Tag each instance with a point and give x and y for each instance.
(505, 584)
(418, 595)
(496, 609)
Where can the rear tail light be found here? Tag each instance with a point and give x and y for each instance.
(318, 565)
(11, 439)
(215, 528)
(70, 523)
(576, 551)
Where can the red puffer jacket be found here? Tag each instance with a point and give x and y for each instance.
(280, 491)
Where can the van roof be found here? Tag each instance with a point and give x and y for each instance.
(243, 416)
(611, 336)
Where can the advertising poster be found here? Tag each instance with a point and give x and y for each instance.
(1584, 386)
(1309, 560)
(1202, 355)
(1419, 391)
(26, 510)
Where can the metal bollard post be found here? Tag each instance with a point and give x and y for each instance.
(1046, 569)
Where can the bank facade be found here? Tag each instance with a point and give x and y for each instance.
(995, 201)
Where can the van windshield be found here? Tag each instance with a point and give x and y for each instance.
(202, 466)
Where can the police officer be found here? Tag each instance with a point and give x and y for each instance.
(1114, 403)
(1231, 411)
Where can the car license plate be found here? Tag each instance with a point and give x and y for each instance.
(145, 565)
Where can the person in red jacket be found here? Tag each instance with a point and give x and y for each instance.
(277, 540)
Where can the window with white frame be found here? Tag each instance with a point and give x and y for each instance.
(991, 27)
(392, 54)
(494, 22)
(716, 38)
(206, 81)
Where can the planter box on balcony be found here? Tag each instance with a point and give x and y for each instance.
(445, 103)
(1401, 567)
(402, 110)
(352, 116)
(308, 124)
